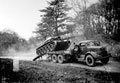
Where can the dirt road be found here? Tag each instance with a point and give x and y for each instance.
(112, 66)
(48, 72)
(42, 71)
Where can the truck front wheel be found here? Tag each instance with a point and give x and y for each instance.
(90, 61)
(60, 58)
(54, 58)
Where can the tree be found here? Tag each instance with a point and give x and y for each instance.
(110, 11)
(100, 18)
(33, 41)
(83, 18)
(7, 39)
(54, 19)
(112, 14)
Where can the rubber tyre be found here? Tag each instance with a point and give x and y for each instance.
(54, 58)
(61, 59)
(105, 60)
(90, 61)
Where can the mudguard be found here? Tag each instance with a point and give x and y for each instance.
(94, 54)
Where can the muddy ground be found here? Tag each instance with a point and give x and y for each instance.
(48, 72)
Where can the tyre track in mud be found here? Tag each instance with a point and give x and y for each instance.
(112, 66)
(69, 72)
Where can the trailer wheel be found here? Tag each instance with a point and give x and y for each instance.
(60, 58)
(90, 61)
(54, 58)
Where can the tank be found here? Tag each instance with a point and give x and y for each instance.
(52, 45)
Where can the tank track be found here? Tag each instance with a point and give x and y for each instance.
(44, 49)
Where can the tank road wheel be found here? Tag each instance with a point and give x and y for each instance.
(60, 58)
(54, 58)
(105, 60)
(90, 61)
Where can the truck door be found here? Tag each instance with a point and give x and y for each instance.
(83, 48)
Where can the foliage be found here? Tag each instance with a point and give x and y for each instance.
(10, 39)
(54, 19)
(109, 10)
(7, 39)
(21, 45)
(84, 19)
(112, 14)
(101, 18)
(33, 41)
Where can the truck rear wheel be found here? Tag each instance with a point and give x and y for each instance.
(60, 58)
(54, 58)
(90, 61)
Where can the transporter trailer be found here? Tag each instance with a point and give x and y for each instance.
(63, 50)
